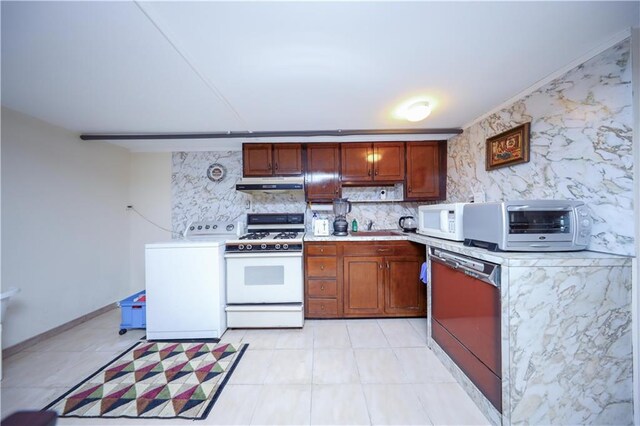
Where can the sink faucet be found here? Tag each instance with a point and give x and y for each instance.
(369, 225)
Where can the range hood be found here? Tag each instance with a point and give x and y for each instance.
(271, 184)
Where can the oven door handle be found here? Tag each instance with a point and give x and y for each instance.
(249, 255)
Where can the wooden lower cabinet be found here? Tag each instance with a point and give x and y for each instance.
(321, 281)
(364, 279)
(405, 294)
(363, 283)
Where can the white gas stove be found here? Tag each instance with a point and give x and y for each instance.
(264, 273)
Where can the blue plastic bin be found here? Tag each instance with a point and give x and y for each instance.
(134, 312)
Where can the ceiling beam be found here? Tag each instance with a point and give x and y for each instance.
(266, 134)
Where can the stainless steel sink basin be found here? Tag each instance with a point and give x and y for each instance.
(376, 234)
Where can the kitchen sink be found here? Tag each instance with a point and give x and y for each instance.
(380, 233)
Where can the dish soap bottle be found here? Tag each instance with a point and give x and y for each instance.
(354, 226)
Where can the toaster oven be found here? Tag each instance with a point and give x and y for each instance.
(535, 225)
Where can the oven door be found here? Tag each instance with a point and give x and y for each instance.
(264, 278)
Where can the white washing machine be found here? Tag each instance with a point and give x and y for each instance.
(185, 284)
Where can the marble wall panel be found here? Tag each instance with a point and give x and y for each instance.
(195, 197)
(570, 345)
(581, 148)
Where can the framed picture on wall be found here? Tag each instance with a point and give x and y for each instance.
(508, 148)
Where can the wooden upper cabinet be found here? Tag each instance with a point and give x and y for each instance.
(257, 159)
(265, 159)
(356, 166)
(372, 162)
(322, 182)
(287, 159)
(426, 171)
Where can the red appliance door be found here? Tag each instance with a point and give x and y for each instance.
(466, 324)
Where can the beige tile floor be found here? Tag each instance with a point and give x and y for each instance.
(330, 372)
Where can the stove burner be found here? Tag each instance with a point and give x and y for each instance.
(255, 236)
(286, 236)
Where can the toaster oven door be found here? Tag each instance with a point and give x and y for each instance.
(526, 224)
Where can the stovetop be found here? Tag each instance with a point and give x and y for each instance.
(270, 232)
(283, 235)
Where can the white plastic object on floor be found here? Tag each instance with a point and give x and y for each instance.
(5, 296)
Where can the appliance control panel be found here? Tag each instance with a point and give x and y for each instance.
(257, 246)
(209, 228)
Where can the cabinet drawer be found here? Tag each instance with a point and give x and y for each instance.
(370, 249)
(374, 248)
(322, 307)
(321, 266)
(322, 288)
(321, 250)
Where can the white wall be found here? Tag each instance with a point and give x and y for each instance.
(64, 225)
(149, 194)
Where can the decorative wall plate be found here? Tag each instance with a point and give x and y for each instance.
(216, 172)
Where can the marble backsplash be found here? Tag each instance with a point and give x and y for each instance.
(195, 197)
(581, 148)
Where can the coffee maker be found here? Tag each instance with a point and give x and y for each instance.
(340, 208)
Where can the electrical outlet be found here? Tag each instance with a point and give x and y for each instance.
(247, 204)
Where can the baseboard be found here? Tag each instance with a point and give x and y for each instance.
(55, 331)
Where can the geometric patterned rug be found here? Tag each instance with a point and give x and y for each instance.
(154, 380)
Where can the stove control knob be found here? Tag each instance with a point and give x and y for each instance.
(285, 246)
(191, 228)
(263, 246)
(215, 226)
(277, 246)
(241, 247)
(199, 227)
(207, 227)
(249, 246)
(230, 227)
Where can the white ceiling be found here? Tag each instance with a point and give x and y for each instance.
(115, 67)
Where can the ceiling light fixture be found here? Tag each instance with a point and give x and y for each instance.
(417, 111)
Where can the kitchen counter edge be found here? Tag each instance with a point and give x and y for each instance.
(558, 258)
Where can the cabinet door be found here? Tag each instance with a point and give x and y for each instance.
(287, 159)
(357, 162)
(321, 179)
(389, 161)
(363, 286)
(404, 293)
(256, 159)
(426, 171)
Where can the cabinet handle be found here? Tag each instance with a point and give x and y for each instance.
(269, 166)
(409, 188)
(369, 172)
(376, 172)
(337, 189)
(322, 267)
(321, 288)
(322, 307)
(380, 265)
(388, 265)
(276, 166)
(321, 250)
(383, 250)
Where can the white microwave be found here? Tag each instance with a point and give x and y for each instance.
(441, 221)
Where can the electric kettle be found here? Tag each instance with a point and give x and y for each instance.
(408, 224)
